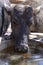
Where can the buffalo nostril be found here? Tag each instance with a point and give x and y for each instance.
(25, 49)
(32, 20)
(21, 48)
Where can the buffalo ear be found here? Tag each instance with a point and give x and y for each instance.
(8, 11)
(36, 10)
(8, 8)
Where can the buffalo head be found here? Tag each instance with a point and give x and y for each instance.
(21, 19)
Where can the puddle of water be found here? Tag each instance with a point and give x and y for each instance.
(25, 61)
(34, 60)
(40, 63)
(31, 62)
(3, 62)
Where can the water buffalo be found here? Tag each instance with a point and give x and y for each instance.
(21, 20)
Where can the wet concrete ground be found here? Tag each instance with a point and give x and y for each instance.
(21, 61)
(9, 57)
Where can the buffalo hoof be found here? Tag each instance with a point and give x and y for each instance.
(21, 48)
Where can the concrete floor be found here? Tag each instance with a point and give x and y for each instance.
(24, 62)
